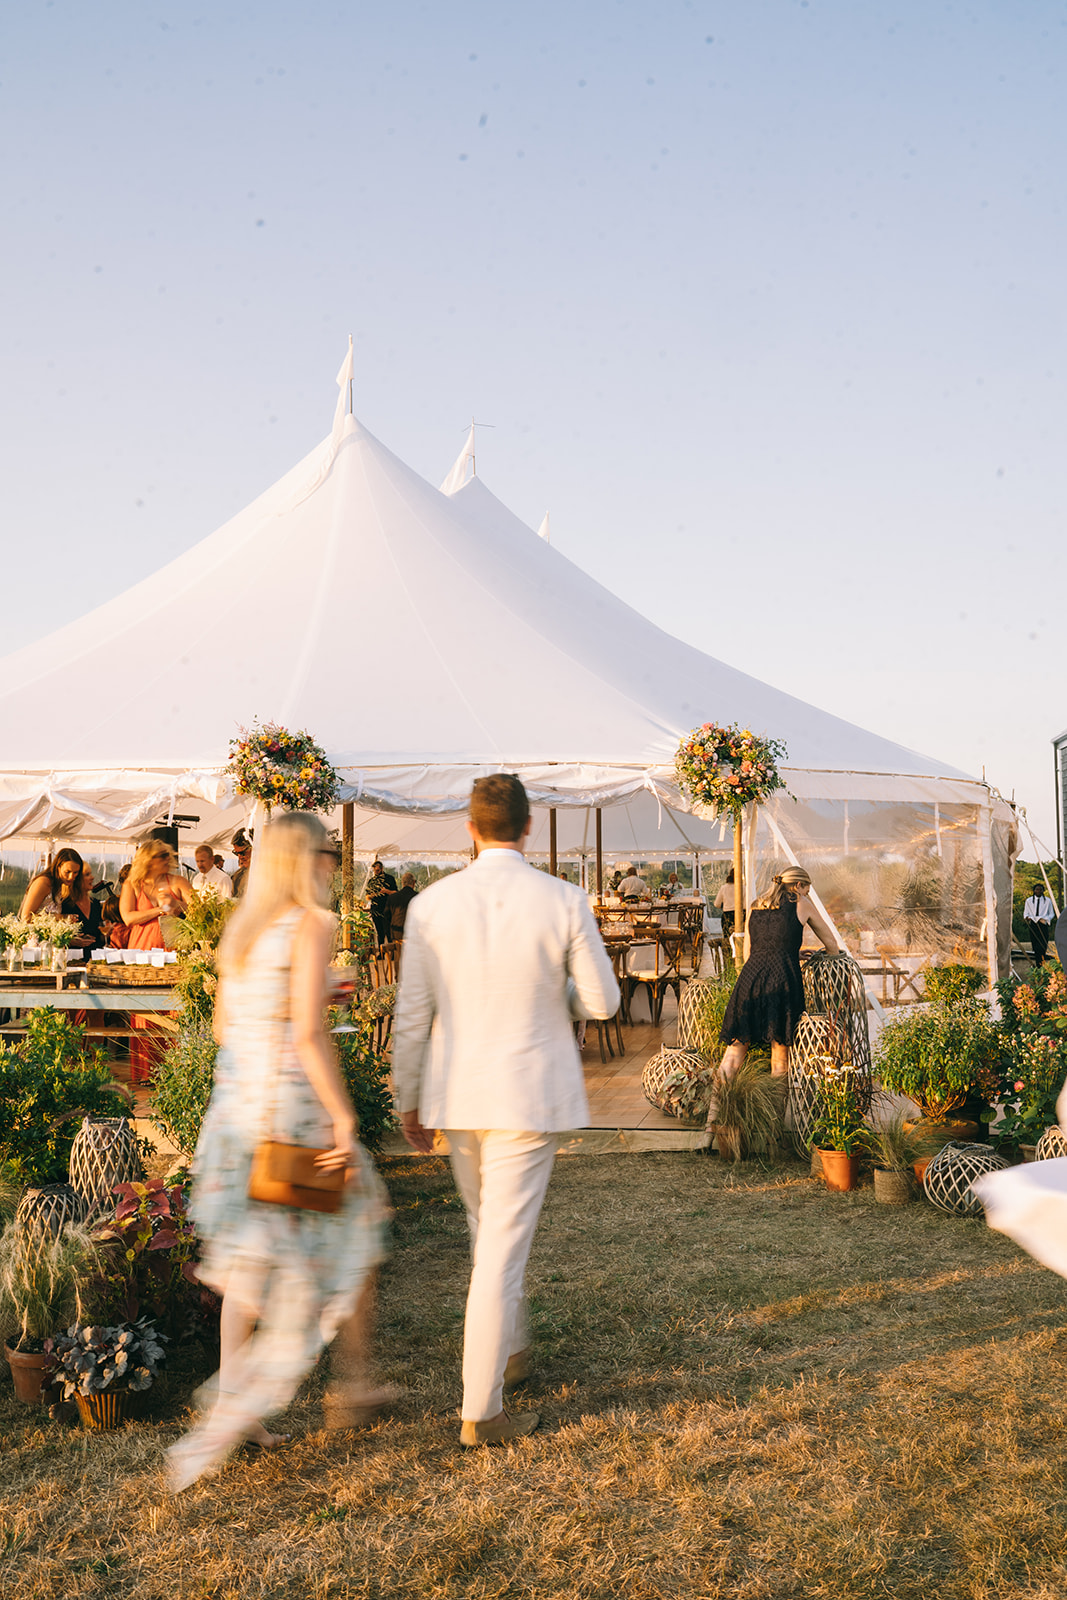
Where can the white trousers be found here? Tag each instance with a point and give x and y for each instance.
(502, 1176)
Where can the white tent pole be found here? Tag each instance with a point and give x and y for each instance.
(985, 840)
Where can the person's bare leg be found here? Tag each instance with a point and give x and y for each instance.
(236, 1326)
(353, 1400)
(779, 1060)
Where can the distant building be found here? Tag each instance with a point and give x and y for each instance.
(1060, 747)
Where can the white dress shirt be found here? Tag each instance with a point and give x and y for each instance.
(214, 881)
(1039, 908)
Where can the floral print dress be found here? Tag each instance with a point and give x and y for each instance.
(298, 1273)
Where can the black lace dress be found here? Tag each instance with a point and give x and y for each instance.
(768, 997)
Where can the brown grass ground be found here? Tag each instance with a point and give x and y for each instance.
(750, 1388)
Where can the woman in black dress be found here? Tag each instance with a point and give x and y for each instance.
(768, 997)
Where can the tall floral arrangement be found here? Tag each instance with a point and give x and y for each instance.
(279, 768)
(1034, 1031)
(727, 767)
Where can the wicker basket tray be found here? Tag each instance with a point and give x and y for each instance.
(117, 975)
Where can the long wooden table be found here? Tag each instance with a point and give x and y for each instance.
(138, 1000)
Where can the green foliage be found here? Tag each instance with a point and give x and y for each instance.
(1034, 1031)
(13, 889)
(937, 1054)
(41, 1283)
(143, 1252)
(49, 1079)
(183, 1080)
(953, 982)
(1028, 881)
(839, 1123)
(366, 1076)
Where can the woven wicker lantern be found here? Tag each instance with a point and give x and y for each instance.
(44, 1212)
(1050, 1146)
(949, 1176)
(690, 1006)
(659, 1069)
(833, 987)
(817, 1039)
(104, 1153)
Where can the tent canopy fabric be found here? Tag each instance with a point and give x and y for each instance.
(422, 637)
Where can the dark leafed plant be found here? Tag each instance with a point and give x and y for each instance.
(48, 1081)
(143, 1251)
(90, 1360)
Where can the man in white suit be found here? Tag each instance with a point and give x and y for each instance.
(497, 962)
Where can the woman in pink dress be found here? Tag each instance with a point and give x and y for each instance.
(151, 891)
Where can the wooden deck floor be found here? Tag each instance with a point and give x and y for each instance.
(620, 1118)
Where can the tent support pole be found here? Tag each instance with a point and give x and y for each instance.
(739, 887)
(552, 841)
(348, 874)
(599, 855)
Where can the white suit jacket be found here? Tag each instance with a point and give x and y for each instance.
(496, 962)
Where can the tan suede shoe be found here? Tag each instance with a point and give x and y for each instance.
(518, 1369)
(500, 1430)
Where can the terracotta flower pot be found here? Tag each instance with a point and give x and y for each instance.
(27, 1373)
(104, 1410)
(919, 1168)
(892, 1188)
(839, 1170)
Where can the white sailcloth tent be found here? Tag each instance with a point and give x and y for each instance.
(423, 638)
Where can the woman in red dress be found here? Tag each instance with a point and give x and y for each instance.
(151, 891)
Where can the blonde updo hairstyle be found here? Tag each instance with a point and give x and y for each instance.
(282, 875)
(784, 886)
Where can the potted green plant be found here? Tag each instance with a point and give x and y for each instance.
(896, 1146)
(839, 1132)
(41, 1285)
(937, 1054)
(143, 1251)
(49, 1080)
(99, 1367)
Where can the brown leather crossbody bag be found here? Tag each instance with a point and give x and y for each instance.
(286, 1174)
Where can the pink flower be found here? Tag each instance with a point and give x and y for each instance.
(1019, 1086)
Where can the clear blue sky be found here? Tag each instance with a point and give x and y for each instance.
(764, 299)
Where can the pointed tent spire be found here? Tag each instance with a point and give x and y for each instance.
(544, 532)
(458, 476)
(344, 384)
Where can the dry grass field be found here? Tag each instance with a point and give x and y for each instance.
(750, 1389)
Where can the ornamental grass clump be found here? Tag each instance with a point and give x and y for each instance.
(750, 1113)
(42, 1283)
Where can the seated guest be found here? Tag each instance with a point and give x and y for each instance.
(672, 888)
(398, 904)
(208, 878)
(614, 881)
(53, 889)
(241, 845)
(634, 888)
